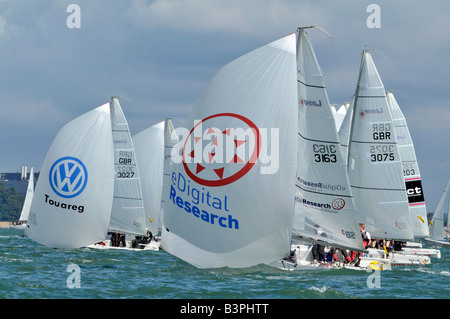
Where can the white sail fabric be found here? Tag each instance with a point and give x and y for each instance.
(437, 222)
(344, 131)
(324, 208)
(340, 115)
(127, 214)
(411, 172)
(73, 197)
(149, 146)
(28, 199)
(374, 164)
(171, 140)
(231, 200)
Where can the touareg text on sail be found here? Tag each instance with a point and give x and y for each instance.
(52, 202)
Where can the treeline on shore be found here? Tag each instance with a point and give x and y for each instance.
(10, 203)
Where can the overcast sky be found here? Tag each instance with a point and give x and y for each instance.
(161, 54)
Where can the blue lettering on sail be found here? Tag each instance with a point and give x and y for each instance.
(189, 198)
(311, 102)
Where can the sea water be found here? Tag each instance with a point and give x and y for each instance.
(29, 270)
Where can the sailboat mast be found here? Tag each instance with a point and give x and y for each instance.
(363, 55)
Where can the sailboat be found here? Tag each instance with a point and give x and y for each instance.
(375, 167)
(231, 194)
(437, 222)
(72, 203)
(171, 140)
(22, 222)
(324, 207)
(149, 146)
(410, 170)
(127, 216)
(413, 182)
(153, 148)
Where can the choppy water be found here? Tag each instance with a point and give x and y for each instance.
(29, 270)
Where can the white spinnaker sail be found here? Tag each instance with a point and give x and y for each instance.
(437, 222)
(411, 172)
(323, 195)
(73, 197)
(127, 214)
(374, 164)
(28, 198)
(149, 146)
(231, 201)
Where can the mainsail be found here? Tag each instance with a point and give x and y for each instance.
(437, 222)
(149, 146)
(324, 208)
(73, 197)
(344, 130)
(28, 198)
(171, 140)
(127, 214)
(411, 173)
(231, 194)
(374, 164)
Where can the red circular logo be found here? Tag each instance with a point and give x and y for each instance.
(338, 204)
(220, 149)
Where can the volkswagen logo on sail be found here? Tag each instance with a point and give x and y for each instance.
(68, 177)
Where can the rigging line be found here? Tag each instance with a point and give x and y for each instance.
(120, 96)
(329, 194)
(132, 198)
(379, 189)
(374, 142)
(321, 141)
(311, 86)
(371, 96)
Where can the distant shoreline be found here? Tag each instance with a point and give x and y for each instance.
(4, 224)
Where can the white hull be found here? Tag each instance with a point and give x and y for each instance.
(438, 242)
(397, 258)
(106, 244)
(17, 226)
(429, 252)
(413, 244)
(303, 260)
(402, 259)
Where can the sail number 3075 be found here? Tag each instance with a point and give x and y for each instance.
(382, 153)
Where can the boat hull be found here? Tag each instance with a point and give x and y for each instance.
(303, 260)
(438, 242)
(106, 244)
(17, 226)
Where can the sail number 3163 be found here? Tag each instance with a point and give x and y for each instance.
(324, 153)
